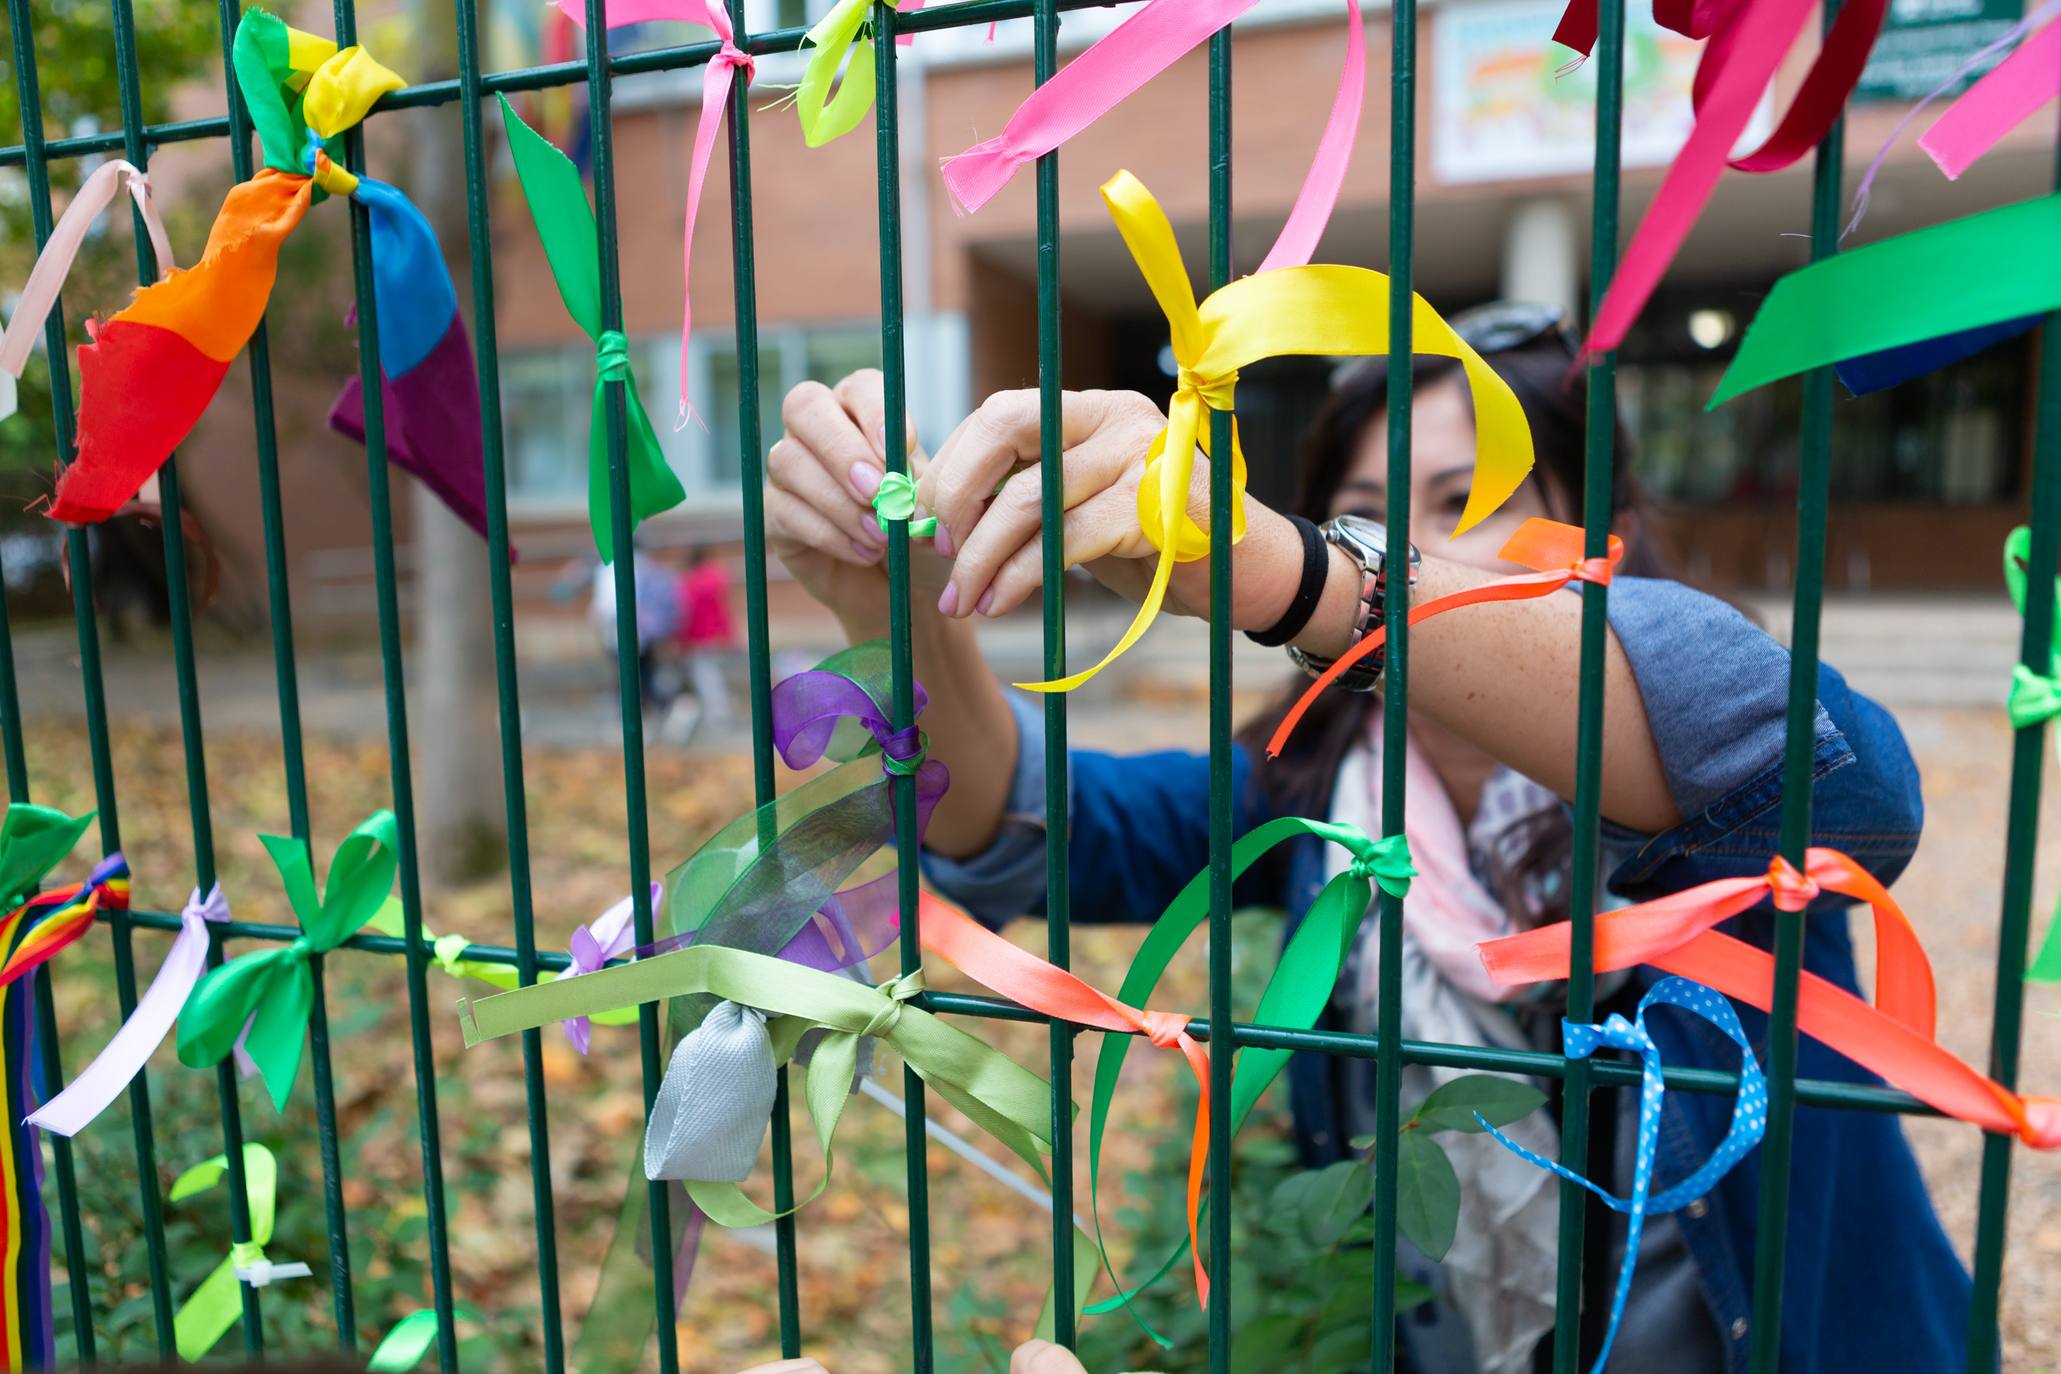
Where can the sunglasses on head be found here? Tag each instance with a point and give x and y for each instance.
(1498, 327)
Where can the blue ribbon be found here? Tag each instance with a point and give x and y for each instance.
(1749, 1121)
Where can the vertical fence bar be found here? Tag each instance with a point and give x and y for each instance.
(1598, 511)
(387, 593)
(600, 89)
(1222, 786)
(1395, 738)
(2021, 847)
(287, 680)
(758, 641)
(895, 398)
(95, 698)
(1052, 503)
(486, 351)
(1813, 494)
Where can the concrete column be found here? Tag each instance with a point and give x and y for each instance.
(1541, 255)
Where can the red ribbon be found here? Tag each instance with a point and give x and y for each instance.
(1547, 545)
(1023, 977)
(1893, 1038)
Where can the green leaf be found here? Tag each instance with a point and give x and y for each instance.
(1451, 1106)
(1257, 1347)
(1347, 1347)
(1428, 1195)
(1336, 1198)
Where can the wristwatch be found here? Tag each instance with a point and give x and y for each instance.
(1367, 541)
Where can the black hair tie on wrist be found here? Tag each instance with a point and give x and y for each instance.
(1316, 563)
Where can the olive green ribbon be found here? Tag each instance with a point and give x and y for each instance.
(34, 840)
(272, 989)
(1001, 1096)
(1295, 996)
(896, 500)
(206, 1316)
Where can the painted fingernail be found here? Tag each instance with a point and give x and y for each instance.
(948, 604)
(867, 553)
(865, 480)
(943, 543)
(987, 601)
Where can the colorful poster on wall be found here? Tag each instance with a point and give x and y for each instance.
(1924, 41)
(1507, 105)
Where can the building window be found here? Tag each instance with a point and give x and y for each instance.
(547, 397)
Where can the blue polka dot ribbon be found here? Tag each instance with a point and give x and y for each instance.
(1749, 1121)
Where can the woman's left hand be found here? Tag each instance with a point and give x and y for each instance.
(985, 487)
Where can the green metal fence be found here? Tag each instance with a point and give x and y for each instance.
(136, 141)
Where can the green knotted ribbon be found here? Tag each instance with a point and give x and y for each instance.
(830, 42)
(34, 840)
(271, 989)
(411, 1338)
(1001, 1096)
(1294, 997)
(565, 223)
(896, 500)
(206, 1316)
(2034, 699)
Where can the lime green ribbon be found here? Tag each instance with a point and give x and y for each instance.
(448, 952)
(831, 41)
(34, 840)
(1294, 997)
(2034, 698)
(410, 1339)
(272, 989)
(896, 500)
(214, 1307)
(1001, 1096)
(557, 200)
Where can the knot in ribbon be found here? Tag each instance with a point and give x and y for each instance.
(1215, 391)
(215, 1305)
(903, 752)
(2034, 698)
(272, 990)
(590, 949)
(895, 994)
(326, 174)
(612, 356)
(1894, 1038)
(1165, 1029)
(1387, 862)
(1554, 550)
(896, 501)
(735, 59)
(100, 1082)
(1749, 1120)
(1789, 889)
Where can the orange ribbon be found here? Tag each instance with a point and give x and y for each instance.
(1894, 1038)
(1018, 974)
(1547, 545)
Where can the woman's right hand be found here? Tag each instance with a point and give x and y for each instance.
(820, 479)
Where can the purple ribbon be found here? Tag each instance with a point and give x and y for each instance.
(591, 947)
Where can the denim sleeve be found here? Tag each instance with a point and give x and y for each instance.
(1007, 879)
(1716, 691)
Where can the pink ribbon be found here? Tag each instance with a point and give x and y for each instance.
(102, 1081)
(591, 947)
(54, 264)
(2005, 98)
(1140, 48)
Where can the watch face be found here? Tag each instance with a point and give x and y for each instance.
(1369, 535)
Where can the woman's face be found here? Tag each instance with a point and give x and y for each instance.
(1441, 471)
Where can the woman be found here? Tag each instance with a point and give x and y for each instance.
(1694, 727)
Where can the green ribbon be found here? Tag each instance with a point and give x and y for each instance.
(34, 840)
(1294, 997)
(215, 1306)
(1001, 1096)
(272, 988)
(833, 39)
(2033, 699)
(1967, 273)
(896, 500)
(565, 223)
(410, 1339)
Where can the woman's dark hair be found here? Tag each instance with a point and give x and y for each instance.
(1554, 396)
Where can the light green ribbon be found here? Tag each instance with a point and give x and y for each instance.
(404, 1346)
(1001, 1096)
(2034, 699)
(214, 1307)
(272, 989)
(896, 500)
(449, 953)
(565, 223)
(830, 41)
(34, 840)
(1294, 997)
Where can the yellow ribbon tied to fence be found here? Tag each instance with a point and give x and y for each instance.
(1325, 310)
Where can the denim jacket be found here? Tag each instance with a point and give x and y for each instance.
(1871, 1281)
